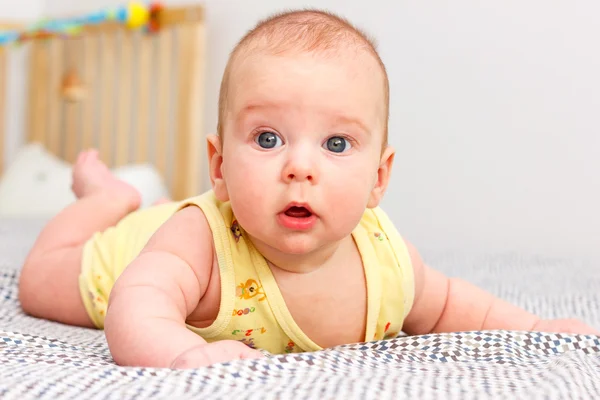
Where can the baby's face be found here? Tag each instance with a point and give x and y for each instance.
(302, 145)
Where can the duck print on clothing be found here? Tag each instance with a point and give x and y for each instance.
(249, 290)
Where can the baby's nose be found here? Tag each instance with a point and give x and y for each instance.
(300, 177)
(299, 170)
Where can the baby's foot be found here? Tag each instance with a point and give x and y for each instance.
(91, 176)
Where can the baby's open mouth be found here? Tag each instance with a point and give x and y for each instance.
(298, 212)
(298, 217)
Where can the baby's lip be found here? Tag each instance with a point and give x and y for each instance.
(299, 205)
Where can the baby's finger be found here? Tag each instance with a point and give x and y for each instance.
(243, 351)
(251, 355)
(583, 329)
(576, 326)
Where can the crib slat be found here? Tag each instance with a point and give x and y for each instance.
(189, 136)
(89, 103)
(143, 73)
(38, 92)
(163, 98)
(73, 64)
(125, 77)
(107, 101)
(53, 139)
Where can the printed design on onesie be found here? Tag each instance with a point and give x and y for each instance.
(389, 335)
(98, 302)
(241, 312)
(236, 230)
(249, 290)
(97, 299)
(290, 347)
(248, 342)
(249, 332)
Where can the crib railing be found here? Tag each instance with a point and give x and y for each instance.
(135, 96)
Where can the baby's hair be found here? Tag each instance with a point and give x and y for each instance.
(309, 30)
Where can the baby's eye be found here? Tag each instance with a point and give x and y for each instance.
(268, 140)
(338, 144)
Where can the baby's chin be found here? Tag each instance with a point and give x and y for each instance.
(292, 244)
(299, 244)
(295, 247)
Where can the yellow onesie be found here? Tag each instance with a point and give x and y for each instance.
(252, 308)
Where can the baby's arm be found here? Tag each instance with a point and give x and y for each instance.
(445, 304)
(149, 304)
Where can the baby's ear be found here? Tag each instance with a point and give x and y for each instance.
(215, 164)
(383, 177)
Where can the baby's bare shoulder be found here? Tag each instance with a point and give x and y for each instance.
(188, 236)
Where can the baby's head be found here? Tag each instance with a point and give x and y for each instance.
(302, 32)
(301, 149)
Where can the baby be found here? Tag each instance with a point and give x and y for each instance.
(289, 251)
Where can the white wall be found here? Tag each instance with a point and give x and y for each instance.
(22, 9)
(16, 86)
(494, 113)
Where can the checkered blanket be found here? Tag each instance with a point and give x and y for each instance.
(42, 359)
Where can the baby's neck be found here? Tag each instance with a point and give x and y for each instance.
(301, 263)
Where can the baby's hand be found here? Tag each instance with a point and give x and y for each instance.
(564, 326)
(213, 353)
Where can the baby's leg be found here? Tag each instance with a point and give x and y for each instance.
(48, 286)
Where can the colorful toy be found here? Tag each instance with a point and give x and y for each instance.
(138, 15)
(135, 15)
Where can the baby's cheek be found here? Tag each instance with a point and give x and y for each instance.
(348, 201)
(249, 200)
(354, 187)
(252, 171)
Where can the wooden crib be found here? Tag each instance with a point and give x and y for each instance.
(136, 96)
